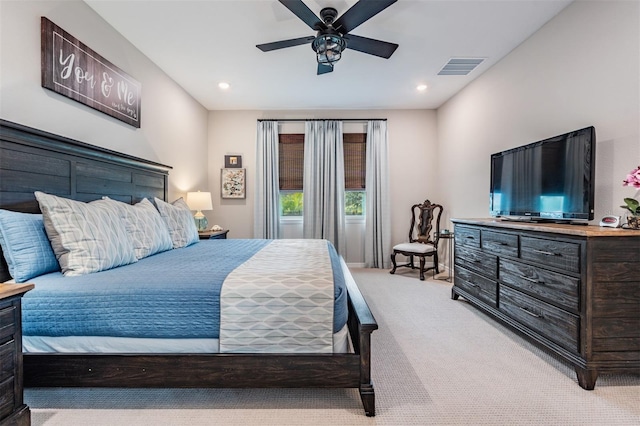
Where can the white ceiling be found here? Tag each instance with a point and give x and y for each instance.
(201, 43)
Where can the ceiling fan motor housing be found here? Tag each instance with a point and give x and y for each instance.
(328, 15)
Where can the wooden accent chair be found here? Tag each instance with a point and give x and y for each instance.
(423, 239)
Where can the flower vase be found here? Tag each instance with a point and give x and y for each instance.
(633, 222)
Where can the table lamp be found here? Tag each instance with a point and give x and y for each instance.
(200, 201)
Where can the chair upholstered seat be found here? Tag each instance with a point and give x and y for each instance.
(424, 234)
(418, 248)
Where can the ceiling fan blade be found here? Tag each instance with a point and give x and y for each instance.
(371, 46)
(304, 13)
(266, 47)
(323, 69)
(359, 13)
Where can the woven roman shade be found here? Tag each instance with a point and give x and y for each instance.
(354, 160)
(291, 153)
(291, 157)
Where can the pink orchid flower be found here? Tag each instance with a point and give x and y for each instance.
(633, 178)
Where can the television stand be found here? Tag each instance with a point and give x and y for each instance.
(571, 290)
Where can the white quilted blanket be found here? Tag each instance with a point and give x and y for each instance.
(280, 301)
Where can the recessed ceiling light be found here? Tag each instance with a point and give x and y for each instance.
(223, 85)
(421, 87)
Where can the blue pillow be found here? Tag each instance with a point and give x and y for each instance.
(25, 245)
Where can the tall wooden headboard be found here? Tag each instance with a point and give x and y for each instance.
(33, 160)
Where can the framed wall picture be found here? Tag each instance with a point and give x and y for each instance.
(70, 68)
(232, 183)
(233, 161)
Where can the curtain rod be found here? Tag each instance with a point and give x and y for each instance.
(362, 120)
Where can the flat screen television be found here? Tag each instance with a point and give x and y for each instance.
(548, 180)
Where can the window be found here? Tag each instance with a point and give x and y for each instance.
(290, 203)
(354, 172)
(291, 169)
(354, 203)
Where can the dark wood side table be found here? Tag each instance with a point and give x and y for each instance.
(450, 239)
(214, 235)
(13, 410)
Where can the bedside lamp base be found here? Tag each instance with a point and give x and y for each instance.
(201, 221)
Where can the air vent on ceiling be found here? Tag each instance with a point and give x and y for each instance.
(460, 66)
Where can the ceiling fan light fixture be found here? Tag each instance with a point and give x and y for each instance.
(333, 34)
(328, 48)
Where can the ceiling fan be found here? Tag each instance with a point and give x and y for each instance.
(333, 36)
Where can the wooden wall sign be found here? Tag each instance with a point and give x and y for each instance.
(72, 69)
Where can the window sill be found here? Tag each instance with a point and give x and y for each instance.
(290, 220)
(354, 219)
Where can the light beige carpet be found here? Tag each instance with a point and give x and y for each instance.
(435, 362)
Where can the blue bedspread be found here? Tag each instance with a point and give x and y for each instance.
(174, 294)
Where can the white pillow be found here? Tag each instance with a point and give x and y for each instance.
(145, 227)
(179, 221)
(86, 237)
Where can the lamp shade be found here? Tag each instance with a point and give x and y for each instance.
(199, 201)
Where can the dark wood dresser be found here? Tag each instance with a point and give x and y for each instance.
(13, 410)
(573, 289)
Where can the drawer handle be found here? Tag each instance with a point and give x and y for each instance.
(533, 314)
(470, 237)
(546, 253)
(474, 285)
(532, 280)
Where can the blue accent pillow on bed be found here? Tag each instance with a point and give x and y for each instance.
(25, 245)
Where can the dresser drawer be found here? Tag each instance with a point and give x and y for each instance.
(558, 254)
(500, 243)
(7, 397)
(477, 261)
(7, 360)
(7, 322)
(467, 237)
(547, 320)
(557, 289)
(480, 287)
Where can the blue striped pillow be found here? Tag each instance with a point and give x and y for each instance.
(25, 245)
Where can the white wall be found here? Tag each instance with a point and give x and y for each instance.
(174, 125)
(581, 69)
(413, 160)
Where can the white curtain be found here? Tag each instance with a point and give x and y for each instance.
(267, 200)
(377, 212)
(323, 211)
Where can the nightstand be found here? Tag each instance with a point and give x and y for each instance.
(13, 410)
(213, 235)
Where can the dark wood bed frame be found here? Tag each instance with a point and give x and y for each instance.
(31, 160)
